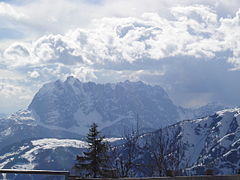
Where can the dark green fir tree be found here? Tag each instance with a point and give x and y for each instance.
(93, 162)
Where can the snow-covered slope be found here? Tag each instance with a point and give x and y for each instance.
(212, 142)
(209, 142)
(28, 151)
(217, 139)
(116, 108)
(48, 153)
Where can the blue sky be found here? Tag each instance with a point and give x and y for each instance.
(191, 48)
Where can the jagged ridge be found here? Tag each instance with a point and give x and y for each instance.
(114, 107)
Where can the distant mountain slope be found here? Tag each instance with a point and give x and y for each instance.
(116, 108)
(203, 111)
(67, 109)
(22, 126)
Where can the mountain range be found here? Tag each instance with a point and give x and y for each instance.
(116, 108)
(66, 109)
(62, 111)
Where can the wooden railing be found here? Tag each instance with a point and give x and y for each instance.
(40, 172)
(229, 177)
(68, 177)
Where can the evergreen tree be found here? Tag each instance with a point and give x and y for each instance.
(93, 162)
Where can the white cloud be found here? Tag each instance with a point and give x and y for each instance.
(7, 10)
(13, 97)
(9, 75)
(84, 74)
(117, 40)
(34, 74)
(198, 13)
(58, 16)
(9, 90)
(230, 29)
(196, 32)
(17, 54)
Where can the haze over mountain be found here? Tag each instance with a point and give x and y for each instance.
(114, 107)
(66, 109)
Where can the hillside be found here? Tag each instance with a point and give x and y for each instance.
(193, 145)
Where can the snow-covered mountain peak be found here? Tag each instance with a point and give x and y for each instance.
(58, 86)
(72, 103)
(72, 106)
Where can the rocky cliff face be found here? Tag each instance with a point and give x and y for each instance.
(67, 109)
(116, 108)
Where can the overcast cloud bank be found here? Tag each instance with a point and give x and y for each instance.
(190, 51)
